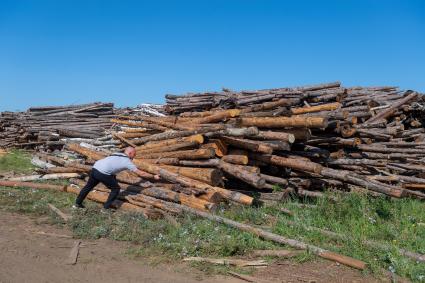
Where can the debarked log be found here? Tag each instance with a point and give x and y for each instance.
(204, 153)
(282, 122)
(278, 239)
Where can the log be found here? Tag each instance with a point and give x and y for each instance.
(282, 122)
(254, 179)
(175, 178)
(389, 111)
(165, 161)
(85, 151)
(141, 200)
(317, 108)
(139, 124)
(190, 201)
(210, 176)
(45, 177)
(274, 180)
(175, 134)
(73, 256)
(62, 215)
(217, 117)
(269, 135)
(199, 139)
(235, 159)
(224, 261)
(219, 147)
(170, 125)
(169, 148)
(276, 253)
(301, 134)
(203, 153)
(124, 140)
(278, 239)
(247, 144)
(293, 163)
(29, 185)
(53, 170)
(271, 105)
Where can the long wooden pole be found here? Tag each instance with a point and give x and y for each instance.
(349, 261)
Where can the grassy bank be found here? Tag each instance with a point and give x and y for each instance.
(17, 161)
(392, 223)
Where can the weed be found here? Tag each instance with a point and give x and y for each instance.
(276, 188)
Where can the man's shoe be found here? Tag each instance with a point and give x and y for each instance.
(78, 206)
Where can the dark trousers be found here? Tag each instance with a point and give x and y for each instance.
(95, 178)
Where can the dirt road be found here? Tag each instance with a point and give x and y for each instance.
(26, 255)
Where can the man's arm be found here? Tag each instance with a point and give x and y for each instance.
(132, 167)
(146, 175)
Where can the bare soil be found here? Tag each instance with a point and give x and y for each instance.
(28, 255)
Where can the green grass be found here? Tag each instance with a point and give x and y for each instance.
(17, 161)
(392, 222)
(277, 188)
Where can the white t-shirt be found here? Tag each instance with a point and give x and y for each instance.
(114, 164)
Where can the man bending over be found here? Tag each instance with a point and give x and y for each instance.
(104, 171)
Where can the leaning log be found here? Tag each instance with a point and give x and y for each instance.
(355, 263)
(188, 200)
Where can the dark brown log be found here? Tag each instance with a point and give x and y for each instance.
(274, 180)
(389, 111)
(238, 172)
(247, 144)
(300, 134)
(235, 159)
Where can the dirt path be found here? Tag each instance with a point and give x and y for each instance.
(27, 256)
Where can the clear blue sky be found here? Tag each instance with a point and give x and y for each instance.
(129, 52)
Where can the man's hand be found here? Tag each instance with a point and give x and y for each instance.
(147, 175)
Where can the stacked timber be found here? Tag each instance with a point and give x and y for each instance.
(148, 109)
(228, 99)
(274, 143)
(299, 140)
(46, 126)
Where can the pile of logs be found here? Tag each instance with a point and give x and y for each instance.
(45, 126)
(270, 144)
(148, 109)
(228, 99)
(302, 140)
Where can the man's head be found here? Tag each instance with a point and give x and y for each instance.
(130, 152)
